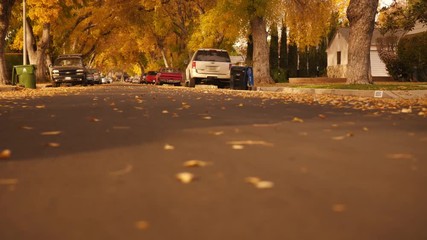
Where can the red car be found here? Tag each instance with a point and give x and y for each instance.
(151, 77)
(169, 76)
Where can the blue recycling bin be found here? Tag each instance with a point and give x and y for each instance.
(241, 78)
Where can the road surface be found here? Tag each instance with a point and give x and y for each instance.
(102, 163)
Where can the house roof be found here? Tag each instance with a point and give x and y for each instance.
(345, 32)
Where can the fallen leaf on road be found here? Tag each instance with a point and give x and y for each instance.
(322, 116)
(40, 106)
(251, 142)
(339, 208)
(8, 181)
(400, 156)
(185, 177)
(142, 225)
(365, 129)
(339, 138)
(27, 128)
(238, 147)
(165, 111)
(124, 171)
(195, 163)
(94, 119)
(258, 183)
(6, 153)
(219, 133)
(53, 145)
(51, 133)
(207, 118)
(168, 147)
(298, 120)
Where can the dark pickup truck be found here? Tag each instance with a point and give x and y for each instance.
(68, 69)
(170, 76)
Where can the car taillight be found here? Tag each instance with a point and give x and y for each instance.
(193, 65)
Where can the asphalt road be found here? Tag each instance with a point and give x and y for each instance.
(101, 163)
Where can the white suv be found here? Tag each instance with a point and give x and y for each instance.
(209, 66)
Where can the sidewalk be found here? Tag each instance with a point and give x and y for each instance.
(398, 94)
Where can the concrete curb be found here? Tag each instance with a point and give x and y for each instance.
(400, 94)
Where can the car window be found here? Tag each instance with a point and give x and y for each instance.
(212, 56)
(151, 73)
(68, 62)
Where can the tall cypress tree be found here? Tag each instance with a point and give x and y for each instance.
(293, 60)
(274, 48)
(312, 61)
(283, 63)
(302, 62)
(322, 57)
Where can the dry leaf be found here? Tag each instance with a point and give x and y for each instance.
(51, 133)
(258, 183)
(185, 177)
(251, 142)
(296, 119)
(338, 138)
(365, 129)
(8, 181)
(53, 145)
(165, 111)
(168, 147)
(404, 156)
(142, 225)
(195, 163)
(6, 153)
(40, 106)
(93, 119)
(207, 118)
(322, 116)
(264, 185)
(238, 147)
(406, 110)
(339, 208)
(124, 171)
(27, 128)
(218, 133)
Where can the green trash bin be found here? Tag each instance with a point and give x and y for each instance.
(24, 75)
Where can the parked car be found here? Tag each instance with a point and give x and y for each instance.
(68, 69)
(151, 77)
(170, 76)
(208, 66)
(105, 80)
(92, 76)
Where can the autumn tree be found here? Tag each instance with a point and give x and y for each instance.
(5, 12)
(361, 15)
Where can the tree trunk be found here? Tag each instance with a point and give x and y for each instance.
(361, 15)
(31, 43)
(42, 46)
(5, 11)
(261, 59)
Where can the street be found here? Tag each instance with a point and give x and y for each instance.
(102, 162)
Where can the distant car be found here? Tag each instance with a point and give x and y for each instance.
(135, 79)
(208, 66)
(169, 76)
(92, 76)
(105, 80)
(151, 77)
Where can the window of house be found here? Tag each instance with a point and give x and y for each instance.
(339, 58)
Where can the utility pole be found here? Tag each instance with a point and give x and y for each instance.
(24, 26)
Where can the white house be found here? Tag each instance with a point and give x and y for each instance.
(338, 56)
